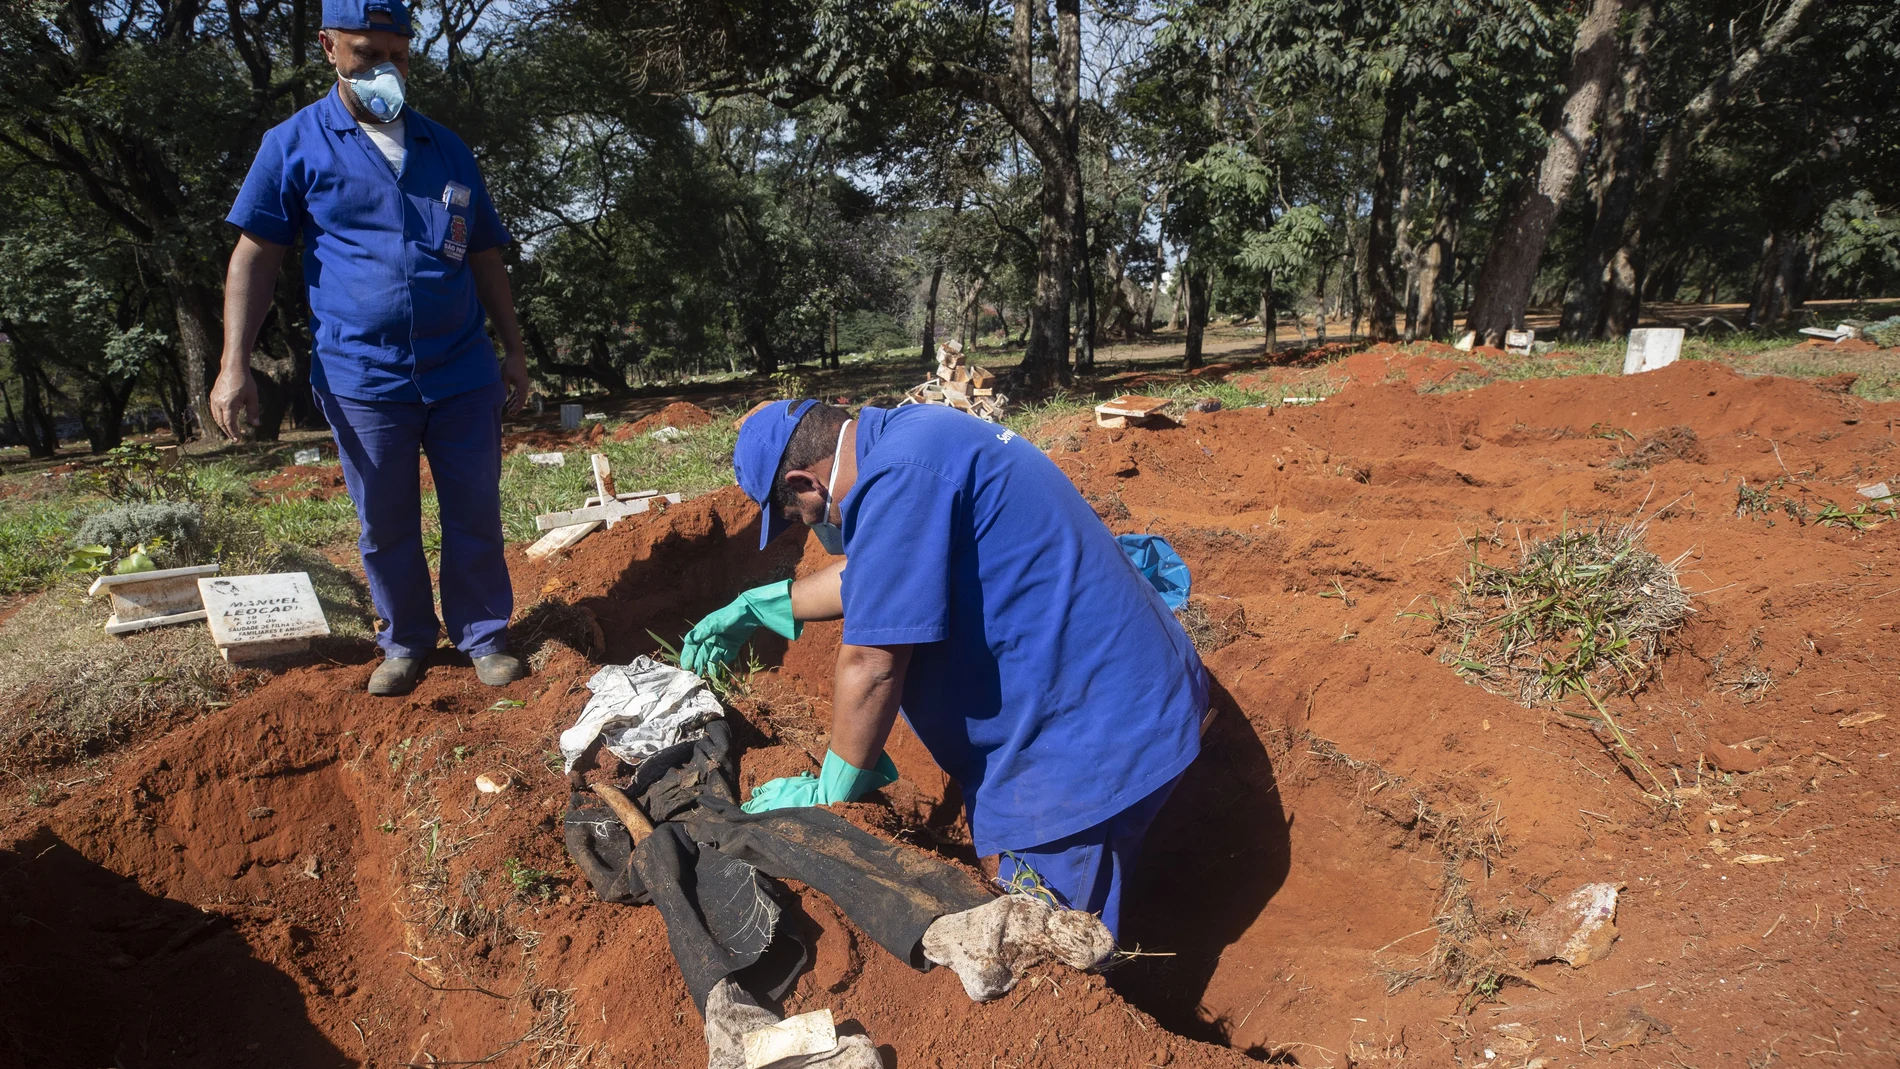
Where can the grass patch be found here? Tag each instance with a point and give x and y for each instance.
(69, 690)
(1582, 612)
(33, 547)
(698, 462)
(306, 520)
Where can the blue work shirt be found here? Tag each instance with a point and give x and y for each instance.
(1047, 675)
(393, 309)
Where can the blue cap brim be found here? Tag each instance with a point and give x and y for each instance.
(756, 455)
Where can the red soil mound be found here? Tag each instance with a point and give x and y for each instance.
(1352, 788)
(681, 414)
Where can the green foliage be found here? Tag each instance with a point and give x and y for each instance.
(178, 524)
(528, 882)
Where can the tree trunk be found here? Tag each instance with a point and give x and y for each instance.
(1045, 362)
(930, 316)
(1620, 150)
(36, 418)
(1623, 299)
(1161, 263)
(198, 342)
(1197, 310)
(1510, 266)
(1433, 259)
(1775, 280)
(1383, 275)
(13, 421)
(1269, 315)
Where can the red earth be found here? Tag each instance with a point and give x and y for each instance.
(309, 877)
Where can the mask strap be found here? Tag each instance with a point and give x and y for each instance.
(837, 454)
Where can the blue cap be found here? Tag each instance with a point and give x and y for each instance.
(354, 15)
(755, 458)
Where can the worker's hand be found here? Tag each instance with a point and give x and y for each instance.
(514, 375)
(716, 638)
(836, 782)
(234, 405)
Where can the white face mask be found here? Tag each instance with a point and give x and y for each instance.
(830, 535)
(381, 90)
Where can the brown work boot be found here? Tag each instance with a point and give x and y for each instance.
(395, 677)
(992, 946)
(498, 669)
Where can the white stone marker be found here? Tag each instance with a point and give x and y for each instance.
(1651, 348)
(253, 617)
(153, 599)
(1519, 341)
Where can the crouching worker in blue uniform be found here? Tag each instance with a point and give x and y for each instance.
(982, 598)
(402, 258)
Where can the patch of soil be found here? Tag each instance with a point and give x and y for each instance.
(318, 481)
(1340, 878)
(681, 414)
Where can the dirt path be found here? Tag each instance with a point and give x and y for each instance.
(308, 877)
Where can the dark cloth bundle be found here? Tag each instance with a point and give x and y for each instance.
(709, 867)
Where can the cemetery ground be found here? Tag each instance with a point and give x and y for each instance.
(1423, 742)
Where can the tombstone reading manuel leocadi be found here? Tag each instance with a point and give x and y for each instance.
(253, 617)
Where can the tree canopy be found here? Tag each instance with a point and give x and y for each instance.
(732, 186)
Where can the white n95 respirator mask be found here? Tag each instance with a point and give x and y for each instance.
(381, 90)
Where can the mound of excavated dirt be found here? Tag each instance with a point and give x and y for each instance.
(681, 414)
(309, 876)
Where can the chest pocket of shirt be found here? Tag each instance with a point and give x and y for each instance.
(444, 231)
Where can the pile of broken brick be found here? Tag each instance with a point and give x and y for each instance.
(959, 385)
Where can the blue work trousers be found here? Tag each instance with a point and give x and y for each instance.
(1088, 869)
(379, 443)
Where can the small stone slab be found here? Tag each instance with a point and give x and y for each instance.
(1651, 348)
(253, 617)
(153, 599)
(1519, 341)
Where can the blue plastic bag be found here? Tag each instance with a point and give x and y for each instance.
(1163, 567)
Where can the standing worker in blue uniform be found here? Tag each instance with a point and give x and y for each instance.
(983, 597)
(402, 257)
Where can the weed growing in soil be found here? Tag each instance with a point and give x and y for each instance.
(529, 883)
(1583, 612)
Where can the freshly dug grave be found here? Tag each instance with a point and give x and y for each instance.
(310, 877)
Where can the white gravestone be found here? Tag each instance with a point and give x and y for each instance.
(1651, 348)
(258, 616)
(1519, 341)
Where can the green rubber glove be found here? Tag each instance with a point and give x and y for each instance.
(716, 638)
(837, 781)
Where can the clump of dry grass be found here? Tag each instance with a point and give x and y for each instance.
(551, 624)
(1582, 612)
(1207, 632)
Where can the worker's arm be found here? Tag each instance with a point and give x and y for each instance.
(820, 595)
(498, 300)
(249, 283)
(864, 694)
(784, 607)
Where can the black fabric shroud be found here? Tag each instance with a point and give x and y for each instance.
(708, 867)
